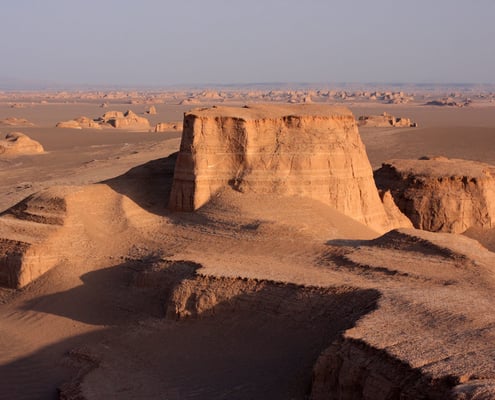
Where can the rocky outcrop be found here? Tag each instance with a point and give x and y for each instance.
(151, 110)
(17, 143)
(28, 229)
(13, 121)
(351, 369)
(440, 194)
(430, 335)
(168, 126)
(127, 120)
(79, 123)
(116, 119)
(50, 227)
(385, 121)
(448, 102)
(311, 150)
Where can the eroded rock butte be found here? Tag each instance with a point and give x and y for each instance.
(308, 150)
(440, 194)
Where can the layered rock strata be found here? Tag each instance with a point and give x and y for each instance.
(306, 150)
(440, 194)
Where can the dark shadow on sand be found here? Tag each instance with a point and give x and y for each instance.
(148, 185)
(260, 344)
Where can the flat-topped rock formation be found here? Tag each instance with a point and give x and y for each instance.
(111, 119)
(441, 194)
(17, 143)
(385, 121)
(448, 102)
(308, 150)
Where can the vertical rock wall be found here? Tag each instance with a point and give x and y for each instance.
(309, 150)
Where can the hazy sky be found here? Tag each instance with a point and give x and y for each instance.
(152, 42)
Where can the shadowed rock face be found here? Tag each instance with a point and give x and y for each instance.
(309, 150)
(440, 194)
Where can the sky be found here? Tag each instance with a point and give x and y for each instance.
(185, 42)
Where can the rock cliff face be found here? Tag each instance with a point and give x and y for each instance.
(440, 194)
(351, 369)
(306, 150)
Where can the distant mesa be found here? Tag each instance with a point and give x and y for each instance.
(13, 121)
(306, 150)
(168, 126)
(17, 143)
(449, 102)
(385, 120)
(116, 119)
(440, 194)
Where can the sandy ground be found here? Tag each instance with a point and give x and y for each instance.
(89, 311)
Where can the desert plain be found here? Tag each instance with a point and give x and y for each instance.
(287, 249)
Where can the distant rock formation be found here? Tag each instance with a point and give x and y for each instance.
(115, 119)
(127, 120)
(79, 123)
(13, 121)
(17, 143)
(111, 115)
(168, 126)
(189, 101)
(151, 110)
(385, 121)
(71, 124)
(306, 150)
(449, 102)
(440, 194)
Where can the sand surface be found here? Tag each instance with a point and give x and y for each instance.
(93, 319)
